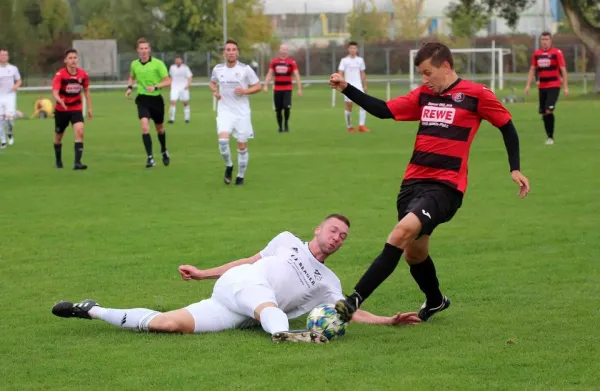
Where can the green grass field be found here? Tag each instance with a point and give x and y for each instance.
(523, 274)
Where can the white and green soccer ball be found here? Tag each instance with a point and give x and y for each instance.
(324, 319)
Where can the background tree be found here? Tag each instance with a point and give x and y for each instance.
(366, 24)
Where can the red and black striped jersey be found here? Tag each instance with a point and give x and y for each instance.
(448, 124)
(69, 87)
(547, 64)
(283, 69)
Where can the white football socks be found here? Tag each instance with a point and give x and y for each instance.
(134, 318)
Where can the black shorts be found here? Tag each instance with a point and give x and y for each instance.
(433, 203)
(62, 119)
(282, 99)
(548, 98)
(151, 107)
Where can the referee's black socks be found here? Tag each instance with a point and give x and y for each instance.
(381, 268)
(147, 143)
(425, 276)
(162, 138)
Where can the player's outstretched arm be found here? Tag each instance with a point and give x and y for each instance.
(408, 318)
(376, 107)
(511, 142)
(189, 272)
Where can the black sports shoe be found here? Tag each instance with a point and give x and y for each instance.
(187, 121)
(427, 312)
(166, 158)
(347, 307)
(299, 336)
(239, 181)
(150, 162)
(171, 121)
(66, 309)
(286, 129)
(280, 130)
(228, 174)
(59, 165)
(79, 166)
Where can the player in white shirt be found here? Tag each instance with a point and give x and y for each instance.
(235, 81)
(353, 67)
(10, 81)
(181, 79)
(285, 280)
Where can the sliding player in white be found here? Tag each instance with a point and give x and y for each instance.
(181, 79)
(285, 280)
(352, 67)
(235, 82)
(10, 81)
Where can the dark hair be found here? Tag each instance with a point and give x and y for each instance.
(339, 217)
(437, 52)
(352, 43)
(231, 41)
(178, 56)
(69, 51)
(546, 34)
(142, 40)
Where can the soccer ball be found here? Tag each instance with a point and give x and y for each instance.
(324, 319)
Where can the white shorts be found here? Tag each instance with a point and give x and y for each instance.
(8, 105)
(182, 94)
(235, 296)
(239, 126)
(346, 99)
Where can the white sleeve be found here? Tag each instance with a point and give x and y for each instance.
(251, 77)
(342, 66)
(17, 74)
(363, 66)
(189, 72)
(276, 242)
(171, 71)
(214, 77)
(334, 294)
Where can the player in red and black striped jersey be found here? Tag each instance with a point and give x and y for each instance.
(282, 68)
(548, 64)
(450, 111)
(67, 85)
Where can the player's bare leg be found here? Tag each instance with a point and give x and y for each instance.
(243, 157)
(405, 231)
(145, 124)
(348, 116)
(178, 321)
(186, 111)
(423, 271)
(162, 138)
(226, 154)
(78, 130)
(58, 148)
(172, 111)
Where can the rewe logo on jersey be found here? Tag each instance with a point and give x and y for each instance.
(73, 88)
(543, 62)
(281, 69)
(438, 114)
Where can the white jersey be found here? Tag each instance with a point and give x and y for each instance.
(9, 75)
(300, 282)
(228, 79)
(179, 76)
(352, 67)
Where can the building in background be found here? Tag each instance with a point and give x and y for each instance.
(317, 22)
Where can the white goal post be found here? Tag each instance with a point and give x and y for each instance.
(496, 65)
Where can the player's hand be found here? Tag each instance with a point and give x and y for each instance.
(150, 88)
(189, 272)
(14, 88)
(299, 92)
(187, 87)
(240, 91)
(266, 88)
(89, 113)
(566, 91)
(216, 94)
(522, 181)
(526, 90)
(404, 319)
(337, 81)
(62, 103)
(128, 93)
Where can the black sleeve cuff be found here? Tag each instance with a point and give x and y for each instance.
(511, 142)
(376, 107)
